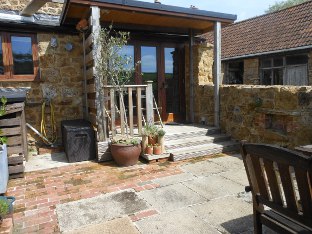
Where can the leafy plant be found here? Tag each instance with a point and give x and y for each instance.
(161, 132)
(112, 67)
(4, 208)
(280, 5)
(125, 141)
(150, 130)
(3, 100)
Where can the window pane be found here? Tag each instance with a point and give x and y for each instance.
(278, 62)
(236, 73)
(266, 63)
(278, 76)
(128, 53)
(299, 59)
(1, 58)
(149, 66)
(266, 77)
(22, 55)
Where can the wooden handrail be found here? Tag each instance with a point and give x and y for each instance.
(129, 91)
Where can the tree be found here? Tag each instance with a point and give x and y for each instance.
(283, 5)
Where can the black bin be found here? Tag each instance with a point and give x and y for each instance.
(78, 140)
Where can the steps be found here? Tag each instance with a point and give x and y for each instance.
(191, 141)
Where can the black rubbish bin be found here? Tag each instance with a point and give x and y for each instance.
(78, 140)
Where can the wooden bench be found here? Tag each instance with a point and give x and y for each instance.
(280, 181)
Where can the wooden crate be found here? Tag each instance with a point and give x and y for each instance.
(14, 128)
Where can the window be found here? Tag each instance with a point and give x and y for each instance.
(235, 73)
(287, 70)
(18, 57)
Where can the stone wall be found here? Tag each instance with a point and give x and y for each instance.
(61, 76)
(18, 5)
(203, 75)
(264, 114)
(251, 71)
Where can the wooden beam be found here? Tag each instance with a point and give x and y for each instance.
(149, 103)
(217, 72)
(191, 71)
(33, 6)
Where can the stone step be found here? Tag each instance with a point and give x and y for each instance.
(192, 133)
(203, 150)
(197, 140)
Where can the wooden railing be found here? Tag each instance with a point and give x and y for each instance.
(134, 106)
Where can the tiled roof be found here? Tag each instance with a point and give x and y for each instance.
(285, 29)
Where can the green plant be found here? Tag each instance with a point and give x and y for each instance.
(150, 130)
(125, 140)
(4, 208)
(161, 132)
(3, 100)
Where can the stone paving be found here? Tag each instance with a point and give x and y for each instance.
(203, 195)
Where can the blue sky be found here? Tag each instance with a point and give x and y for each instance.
(242, 8)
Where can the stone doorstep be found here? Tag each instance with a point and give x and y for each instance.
(6, 226)
(156, 158)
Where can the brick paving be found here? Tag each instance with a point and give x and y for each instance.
(38, 193)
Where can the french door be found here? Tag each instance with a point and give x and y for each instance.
(164, 65)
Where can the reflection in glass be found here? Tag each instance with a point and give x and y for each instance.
(22, 55)
(1, 58)
(172, 80)
(127, 52)
(149, 67)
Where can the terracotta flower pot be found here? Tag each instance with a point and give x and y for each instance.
(125, 155)
(157, 149)
(152, 140)
(149, 150)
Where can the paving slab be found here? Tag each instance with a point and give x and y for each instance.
(178, 221)
(116, 226)
(95, 210)
(215, 186)
(205, 168)
(228, 214)
(239, 176)
(165, 181)
(229, 162)
(171, 197)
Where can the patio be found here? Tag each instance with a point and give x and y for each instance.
(203, 195)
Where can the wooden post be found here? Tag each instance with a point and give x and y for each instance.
(149, 103)
(122, 113)
(139, 110)
(100, 116)
(85, 96)
(113, 114)
(217, 72)
(191, 71)
(130, 101)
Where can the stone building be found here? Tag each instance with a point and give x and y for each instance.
(271, 49)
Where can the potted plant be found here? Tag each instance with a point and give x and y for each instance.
(125, 151)
(115, 69)
(4, 172)
(149, 149)
(157, 149)
(151, 131)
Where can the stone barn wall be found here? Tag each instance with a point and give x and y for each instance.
(264, 114)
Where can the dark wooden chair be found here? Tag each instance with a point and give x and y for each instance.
(281, 185)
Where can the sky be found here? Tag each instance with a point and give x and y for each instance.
(244, 9)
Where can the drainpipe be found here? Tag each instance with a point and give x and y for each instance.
(191, 71)
(217, 72)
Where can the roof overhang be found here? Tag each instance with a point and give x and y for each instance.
(144, 16)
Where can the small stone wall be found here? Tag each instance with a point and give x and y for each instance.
(263, 114)
(61, 77)
(251, 71)
(18, 5)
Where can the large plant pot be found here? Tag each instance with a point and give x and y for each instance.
(126, 155)
(4, 171)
